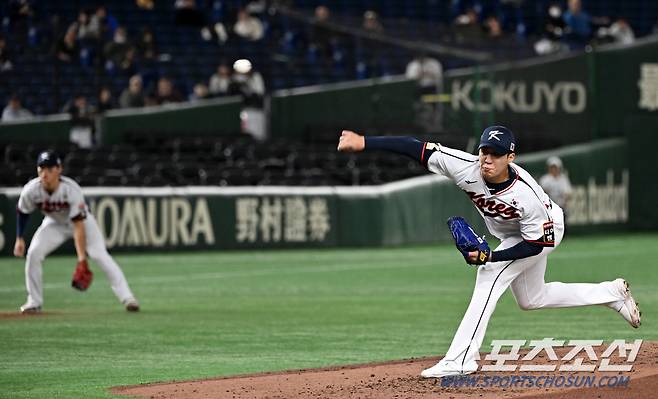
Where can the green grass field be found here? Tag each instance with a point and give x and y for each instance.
(208, 314)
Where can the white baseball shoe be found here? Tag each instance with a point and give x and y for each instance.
(131, 305)
(30, 308)
(627, 307)
(446, 368)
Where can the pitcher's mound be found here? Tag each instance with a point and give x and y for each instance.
(400, 379)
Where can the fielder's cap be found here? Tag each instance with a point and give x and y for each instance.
(48, 158)
(499, 138)
(554, 161)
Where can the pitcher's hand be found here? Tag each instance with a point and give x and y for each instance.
(351, 142)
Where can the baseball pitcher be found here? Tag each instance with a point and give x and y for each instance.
(518, 212)
(66, 215)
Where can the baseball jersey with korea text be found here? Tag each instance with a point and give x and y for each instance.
(515, 211)
(63, 205)
(522, 208)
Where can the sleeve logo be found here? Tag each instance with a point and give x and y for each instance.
(549, 232)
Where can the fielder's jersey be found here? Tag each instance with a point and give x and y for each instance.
(63, 205)
(522, 209)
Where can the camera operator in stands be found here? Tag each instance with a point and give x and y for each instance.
(250, 85)
(82, 120)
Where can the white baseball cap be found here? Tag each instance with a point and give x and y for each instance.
(554, 161)
(242, 66)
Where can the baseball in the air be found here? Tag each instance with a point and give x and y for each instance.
(242, 66)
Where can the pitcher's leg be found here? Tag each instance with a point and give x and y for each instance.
(98, 253)
(48, 237)
(531, 292)
(492, 281)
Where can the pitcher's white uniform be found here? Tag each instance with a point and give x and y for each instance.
(522, 211)
(64, 204)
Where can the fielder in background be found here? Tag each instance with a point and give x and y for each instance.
(528, 223)
(66, 215)
(556, 183)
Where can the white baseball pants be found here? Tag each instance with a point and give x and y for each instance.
(526, 279)
(49, 236)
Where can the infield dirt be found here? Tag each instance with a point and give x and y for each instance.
(400, 379)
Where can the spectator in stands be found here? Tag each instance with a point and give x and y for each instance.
(248, 27)
(102, 23)
(554, 31)
(14, 111)
(128, 64)
(493, 29)
(83, 25)
(166, 92)
(215, 30)
(373, 62)
(619, 32)
(5, 59)
(371, 22)
(145, 4)
(468, 17)
(578, 22)
(256, 7)
(250, 85)
(66, 48)
(556, 183)
(20, 12)
(146, 45)
(105, 100)
(555, 25)
(116, 51)
(199, 92)
(82, 113)
(427, 71)
(133, 95)
(220, 81)
(466, 27)
(187, 13)
(82, 121)
(322, 38)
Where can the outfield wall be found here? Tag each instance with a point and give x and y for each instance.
(214, 116)
(412, 211)
(373, 103)
(562, 99)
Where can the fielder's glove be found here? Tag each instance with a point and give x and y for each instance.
(82, 276)
(467, 241)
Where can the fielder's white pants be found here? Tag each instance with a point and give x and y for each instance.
(49, 236)
(526, 279)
